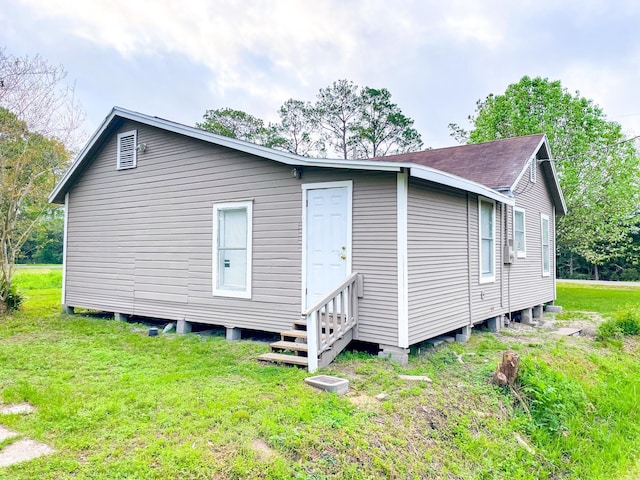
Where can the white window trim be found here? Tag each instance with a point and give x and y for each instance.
(135, 149)
(520, 253)
(221, 292)
(486, 278)
(544, 217)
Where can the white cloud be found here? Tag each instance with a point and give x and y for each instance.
(437, 58)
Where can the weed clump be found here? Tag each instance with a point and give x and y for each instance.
(12, 297)
(626, 322)
(553, 397)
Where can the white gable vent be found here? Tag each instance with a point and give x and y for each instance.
(533, 170)
(127, 142)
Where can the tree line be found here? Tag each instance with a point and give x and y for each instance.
(344, 121)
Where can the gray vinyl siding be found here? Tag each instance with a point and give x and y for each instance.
(437, 260)
(487, 299)
(445, 292)
(374, 248)
(527, 285)
(140, 240)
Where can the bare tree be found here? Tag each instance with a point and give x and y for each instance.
(40, 122)
(35, 91)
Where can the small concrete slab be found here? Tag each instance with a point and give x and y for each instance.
(553, 308)
(22, 451)
(415, 378)
(17, 408)
(6, 433)
(329, 384)
(568, 332)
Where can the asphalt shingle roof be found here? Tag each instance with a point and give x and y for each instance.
(495, 164)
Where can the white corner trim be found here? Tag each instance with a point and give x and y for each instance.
(64, 248)
(402, 190)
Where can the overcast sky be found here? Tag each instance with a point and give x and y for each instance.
(176, 59)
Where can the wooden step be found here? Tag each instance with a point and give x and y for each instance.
(284, 358)
(293, 334)
(284, 345)
(302, 324)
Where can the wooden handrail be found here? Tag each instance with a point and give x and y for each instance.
(335, 314)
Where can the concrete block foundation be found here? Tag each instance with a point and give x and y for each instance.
(526, 316)
(464, 335)
(395, 354)
(120, 317)
(495, 324)
(68, 309)
(183, 327)
(538, 311)
(233, 334)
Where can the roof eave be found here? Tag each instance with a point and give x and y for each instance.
(443, 178)
(558, 197)
(57, 196)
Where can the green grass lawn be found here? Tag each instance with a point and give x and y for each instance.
(115, 403)
(605, 300)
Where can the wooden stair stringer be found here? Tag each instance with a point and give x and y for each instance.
(326, 357)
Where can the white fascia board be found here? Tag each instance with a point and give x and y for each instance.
(80, 157)
(443, 178)
(544, 141)
(525, 168)
(246, 147)
(252, 148)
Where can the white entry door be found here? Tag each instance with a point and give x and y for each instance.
(328, 234)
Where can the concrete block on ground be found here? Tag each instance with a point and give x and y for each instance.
(16, 408)
(553, 308)
(568, 332)
(233, 334)
(526, 316)
(329, 383)
(22, 451)
(68, 309)
(395, 354)
(5, 433)
(415, 378)
(121, 317)
(464, 334)
(460, 338)
(183, 327)
(495, 324)
(537, 311)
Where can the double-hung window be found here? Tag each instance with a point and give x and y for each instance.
(546, 250)
(519, 232)
(232, 234)
(487, 220)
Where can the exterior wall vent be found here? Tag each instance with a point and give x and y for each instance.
(127, 153)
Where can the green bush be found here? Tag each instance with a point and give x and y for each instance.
(14, 299)
(630, 274)
(629, 320)
(626, 322)
(609, 330)
(553, 397)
